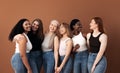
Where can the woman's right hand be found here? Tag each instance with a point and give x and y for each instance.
(76, 47)
(29, 71)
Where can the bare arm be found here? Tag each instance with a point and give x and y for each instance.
(88, 37)
(103, 40)
(56, 46)
(22, 48)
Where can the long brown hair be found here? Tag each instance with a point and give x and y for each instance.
(99, 22)
(67, 27)
(39, 32)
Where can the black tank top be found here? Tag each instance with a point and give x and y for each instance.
(94, 43)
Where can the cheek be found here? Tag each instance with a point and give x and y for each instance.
(36, 27)
(55, 28)
(92, 26)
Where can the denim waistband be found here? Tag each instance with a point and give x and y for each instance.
(47, 51)
(81, 51)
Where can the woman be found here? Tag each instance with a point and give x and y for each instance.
(79, 47)
(20, 59)
(36, 37)
(48, 47)
(65, 48)
(97, 41)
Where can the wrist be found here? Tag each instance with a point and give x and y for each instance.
(28, 68)
(94, 64)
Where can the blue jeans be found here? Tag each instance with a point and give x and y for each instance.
(36, 61)
(17, 63)
(100, 67)
(68, 65)
(80, 62)
(48, 62)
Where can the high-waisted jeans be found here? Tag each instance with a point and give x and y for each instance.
(100, 67)
(36, 61)
(48, 62)
(80, 62)
(17, 63)
(68, 65)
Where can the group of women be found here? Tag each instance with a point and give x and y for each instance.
(62, 49)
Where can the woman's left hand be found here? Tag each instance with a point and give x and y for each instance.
(93, 69)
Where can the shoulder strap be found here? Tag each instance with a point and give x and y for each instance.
(100, 34)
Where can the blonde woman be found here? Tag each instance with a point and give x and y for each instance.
(48, 47)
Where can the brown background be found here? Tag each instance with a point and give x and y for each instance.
(64, 11)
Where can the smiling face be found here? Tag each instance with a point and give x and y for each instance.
(62, 29)
(35, 25)
(78, 26)
(53, 26)
(27, 26)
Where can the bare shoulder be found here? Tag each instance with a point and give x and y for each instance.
(56, 37)
(19, 37)
(88, 35)
(103, 37)
(69, 40)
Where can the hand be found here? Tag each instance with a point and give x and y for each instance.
(55, 69)
(76, 47)
(93, 69)
(29, 71)
(58, 70)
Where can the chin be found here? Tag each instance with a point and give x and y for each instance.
(90, 27)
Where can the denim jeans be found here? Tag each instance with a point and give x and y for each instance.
(80, 62)
(36, 61)
(48, 62)
(17, 63)
(68, 65)
(100, 67)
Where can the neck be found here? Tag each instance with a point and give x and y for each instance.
(96, 30)
(26, 32)
(50, 33)
(65, 35)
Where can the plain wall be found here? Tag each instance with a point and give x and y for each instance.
(64, 11)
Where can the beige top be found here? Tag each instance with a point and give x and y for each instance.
(48, 43)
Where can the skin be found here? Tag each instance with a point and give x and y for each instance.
(35, 26)
(102, 39)
(56, 46)
(22, 45)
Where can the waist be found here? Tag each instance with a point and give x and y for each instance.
(94, 54)
(19, 51)
(46, 50)
(81, 51)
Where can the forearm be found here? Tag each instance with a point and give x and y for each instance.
(98, 58)
(56, 58)
(64, 60)
(25, 61)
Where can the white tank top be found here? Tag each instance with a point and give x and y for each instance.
(79, 39)
(28, 45)
(62, 48)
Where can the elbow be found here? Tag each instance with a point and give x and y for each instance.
(22, 55)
